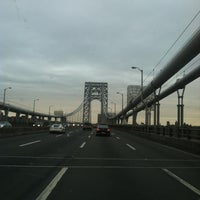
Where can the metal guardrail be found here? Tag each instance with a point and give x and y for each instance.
(186, 132)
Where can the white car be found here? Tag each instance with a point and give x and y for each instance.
(57, 128)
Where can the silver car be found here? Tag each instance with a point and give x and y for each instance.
(5, 124)
(57, 128)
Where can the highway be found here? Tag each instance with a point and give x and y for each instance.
(80, 165)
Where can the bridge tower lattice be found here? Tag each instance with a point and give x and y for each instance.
(95, 91)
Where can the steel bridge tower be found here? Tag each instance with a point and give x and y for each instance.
(92, 91)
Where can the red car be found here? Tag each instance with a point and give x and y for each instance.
(103, 129)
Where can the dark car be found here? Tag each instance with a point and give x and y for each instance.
(87, 126)
(103, 129)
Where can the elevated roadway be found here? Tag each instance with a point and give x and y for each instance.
(79, 165)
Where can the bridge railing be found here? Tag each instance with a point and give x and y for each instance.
(186, 132)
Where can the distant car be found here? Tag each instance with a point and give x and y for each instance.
(5, 124)
(87, 126)
(37, 124)
(57, 128)
(103, 129)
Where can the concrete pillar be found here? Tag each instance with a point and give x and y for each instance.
(180, 107)
(17, 116)
(158, 113)
(155, 113)
(134, 120)
(6, 112)
(157, 109)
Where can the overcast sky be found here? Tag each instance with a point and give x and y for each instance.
(49, 49)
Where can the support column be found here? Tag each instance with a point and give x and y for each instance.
(134, 122)
(6, 114)
(149, 116)
(146, 116)
(158, 113)
(180, 107)
(157, 109)
(155, 113)
(17, 116)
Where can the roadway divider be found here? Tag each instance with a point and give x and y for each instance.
(185, 138)
(14, 131)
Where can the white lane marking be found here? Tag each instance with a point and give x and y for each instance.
(118, 138)
(188, 185)
(58, 135)
(68, 135)
(83, 145)
(133, 148)
(89, 136)
(93, 166)
(29, 143)
(52, 184)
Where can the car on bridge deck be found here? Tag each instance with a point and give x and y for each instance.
(5, 124)
(102, 129)
(87, 126)
(57, 128)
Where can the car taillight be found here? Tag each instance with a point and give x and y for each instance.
(108, 129)
(98, 129)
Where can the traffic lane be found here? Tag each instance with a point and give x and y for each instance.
(184, 165)
(118, 183)
(24, 182)
(113, 152)
(11, 142)
(192, 176)
(91, 175)
(154, 150)
(42, 144)
(106, 147)
(109, 152)
(6, 144)
(35, 168)
(52, 151)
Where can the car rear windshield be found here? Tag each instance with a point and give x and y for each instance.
(56, 125)
(103, 126)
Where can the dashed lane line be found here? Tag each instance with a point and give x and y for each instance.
(118, 138)
(82, 145)
(94, 167)
(131, 147)
(58, 135)
(188, 185)
(47, 191)
(29, 143)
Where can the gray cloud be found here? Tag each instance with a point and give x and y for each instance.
(49, 47)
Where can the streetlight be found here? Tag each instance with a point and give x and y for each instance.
(34, 104)
(4, 94)
(141, 77)
(50, 108)
(122, 99)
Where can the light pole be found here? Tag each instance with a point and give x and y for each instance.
(34, 104)
(146, 109)
(50, 109)
(141, 78)
(4, 94)
(122, 99)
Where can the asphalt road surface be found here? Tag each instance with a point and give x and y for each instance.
(80, 165)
